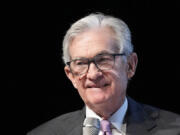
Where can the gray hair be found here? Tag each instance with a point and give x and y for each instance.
(121, 30)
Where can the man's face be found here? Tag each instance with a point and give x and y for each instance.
(99, 88)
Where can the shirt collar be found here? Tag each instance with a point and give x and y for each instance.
(91, 113)
(116, 119)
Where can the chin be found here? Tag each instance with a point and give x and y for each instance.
(97, 98)
(97, 95)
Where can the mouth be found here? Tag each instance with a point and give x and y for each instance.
(97, 86)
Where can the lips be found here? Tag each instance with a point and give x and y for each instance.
(92, 85)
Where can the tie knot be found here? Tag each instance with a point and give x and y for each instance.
(105, 126)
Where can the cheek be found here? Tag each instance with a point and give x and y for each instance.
(79, 83)
(119, 80)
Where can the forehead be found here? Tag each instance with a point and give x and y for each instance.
(93, 42)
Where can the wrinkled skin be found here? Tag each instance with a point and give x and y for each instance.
(102, 91)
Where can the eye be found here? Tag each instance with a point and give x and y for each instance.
(104, 59)
(80, 62)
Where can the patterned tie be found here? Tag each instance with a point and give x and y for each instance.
(91, 126)
(105, 127)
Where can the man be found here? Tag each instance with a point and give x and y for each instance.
(99, 60)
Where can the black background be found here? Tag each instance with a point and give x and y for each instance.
(37, 88)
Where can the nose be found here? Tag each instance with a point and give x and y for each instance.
(93, 72)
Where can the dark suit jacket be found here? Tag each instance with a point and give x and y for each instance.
(141, 120)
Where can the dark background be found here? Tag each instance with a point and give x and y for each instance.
(37, 88)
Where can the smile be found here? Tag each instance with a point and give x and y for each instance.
(97, 86)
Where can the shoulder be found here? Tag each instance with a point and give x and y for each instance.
(59, 124)
(152, 112)
(163, 117)
(168, 119)
(166, 122)
(156, 120)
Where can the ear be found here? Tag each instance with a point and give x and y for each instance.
(132, 64)
(70, 76)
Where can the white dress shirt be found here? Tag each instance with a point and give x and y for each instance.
(116, 119)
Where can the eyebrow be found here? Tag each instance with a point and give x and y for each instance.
(104, 52)
(99, 53)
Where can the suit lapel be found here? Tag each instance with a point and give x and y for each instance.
(137, 119)
(76, 131)
(78, 125)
